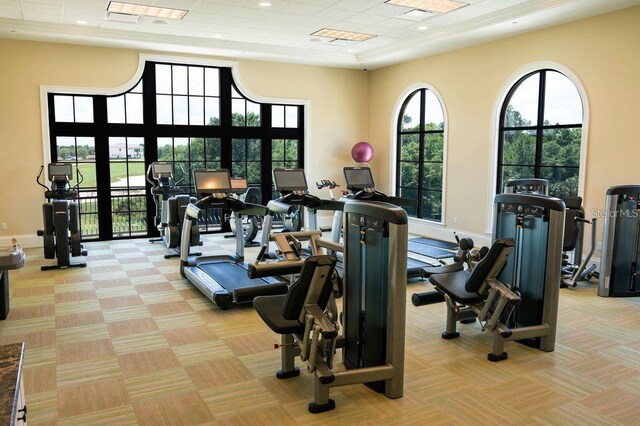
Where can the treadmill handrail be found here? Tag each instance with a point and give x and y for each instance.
(331, 205)
(251, 209)
(227, 202)
(284, 203)
(276, 206)
(305, 199)
(403, 202)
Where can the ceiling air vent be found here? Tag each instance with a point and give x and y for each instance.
(416, 15)
(123, 17)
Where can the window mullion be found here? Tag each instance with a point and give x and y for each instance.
(540, 124)
(421, 154)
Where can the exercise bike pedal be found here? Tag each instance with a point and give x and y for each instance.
(40, 232)
(83, 252)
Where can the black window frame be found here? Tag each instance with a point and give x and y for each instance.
(422, 162)
(101, 130)
(538, 128)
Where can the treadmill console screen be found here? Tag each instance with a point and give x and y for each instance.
(290, 180)
(60, 169)
(358, 177)
(239, 185)
(212, 181)
(164, 169)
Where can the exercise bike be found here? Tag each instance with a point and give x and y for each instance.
(60, 214)
(170, 208)
(250, 223)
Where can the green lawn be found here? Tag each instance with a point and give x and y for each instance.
(118, 171)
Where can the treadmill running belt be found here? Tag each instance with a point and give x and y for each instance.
(435, 243)
(232, 275)
(429, 251)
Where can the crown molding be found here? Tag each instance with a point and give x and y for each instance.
(531, 15)
(60, 33)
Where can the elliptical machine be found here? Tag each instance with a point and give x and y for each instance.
(61, 219)
(250, 225)
(170, 208)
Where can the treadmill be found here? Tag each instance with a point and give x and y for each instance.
(223, 279)
(292, 185)
(361, 186)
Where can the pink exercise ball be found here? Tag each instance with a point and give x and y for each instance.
(362, 152)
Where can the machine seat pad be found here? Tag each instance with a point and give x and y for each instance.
(453, 284)
(270, 310)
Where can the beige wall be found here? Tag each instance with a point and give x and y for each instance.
(603, 52)
(347, 106)
(337, 116)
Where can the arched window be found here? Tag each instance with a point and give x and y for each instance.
(541, 131)
(192, 115)
(420, 154)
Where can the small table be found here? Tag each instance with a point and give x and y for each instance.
(13, 409)
(11, 258)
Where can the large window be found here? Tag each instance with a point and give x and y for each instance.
(192, 115)
(541, 132)
(421, 154)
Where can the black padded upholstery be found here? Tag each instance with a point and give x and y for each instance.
(454, 284)
(281, 312)
(463, 286)
(298, 290)
(573, 202)
(466, 243)
(482, 268)
(270, 310)
(571, 226)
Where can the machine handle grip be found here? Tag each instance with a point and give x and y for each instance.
(80, 179)
(327, 329)
(253, 210)
(184, 175)
(148, 177)
(403, 202)
(270, 269)
(331, 205)
(38, 178)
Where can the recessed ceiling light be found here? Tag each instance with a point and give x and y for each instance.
(141, 9)
(81, 22)
(440, 6)
(217, 36)
(342, 35)
(422, 27)
(264, 4)
(514, 22)
(351, 50)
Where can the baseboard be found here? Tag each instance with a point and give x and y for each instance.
(25, 240)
